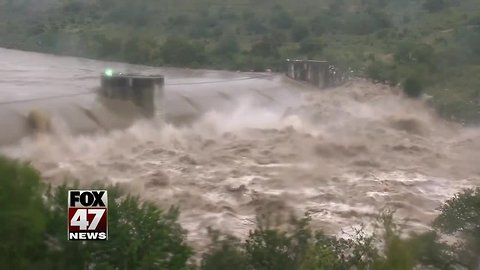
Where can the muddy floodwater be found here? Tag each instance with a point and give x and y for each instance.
(259, 144)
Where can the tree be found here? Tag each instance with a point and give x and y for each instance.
(106, 46)
(472, 47)
(179, 21)
(311, 46)
(22, 215)
(225, 252)
(337, 7)
(299, 32)
(141, 49)
(434, 5)
(360, 24)
(461, 216)
(227, 46)
(141, 236)
(264, 48)
(268, 46)
(125, 13)
(179, 51)
(255, 26)
(281, 19)
(366, 23)
(267, 247)
(409, 52)
(412, 87)
(33, 229)
(325, 22)
(378, 72)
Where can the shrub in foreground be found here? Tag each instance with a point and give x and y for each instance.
(460, 217)
(141, 236)
(34, 234)
(23, 216)
(305, 249)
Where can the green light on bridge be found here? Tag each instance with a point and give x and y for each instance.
(109, 72)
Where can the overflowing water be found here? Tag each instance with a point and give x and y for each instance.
(341, 154)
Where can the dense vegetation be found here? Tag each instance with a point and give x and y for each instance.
(430, 45)
(33, 232)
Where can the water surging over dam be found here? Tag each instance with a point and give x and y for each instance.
(267, 145)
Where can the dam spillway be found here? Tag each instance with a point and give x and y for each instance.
(74, 93)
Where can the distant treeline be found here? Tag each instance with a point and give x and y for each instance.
(423, 45)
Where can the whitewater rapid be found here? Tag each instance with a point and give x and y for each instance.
(342, 155)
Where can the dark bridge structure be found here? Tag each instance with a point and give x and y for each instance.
(318, 73)
(143, 91)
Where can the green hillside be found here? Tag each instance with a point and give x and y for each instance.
(433, 43)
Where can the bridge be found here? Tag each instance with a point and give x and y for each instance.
(318, 73)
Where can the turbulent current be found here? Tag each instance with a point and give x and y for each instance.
(340, 154)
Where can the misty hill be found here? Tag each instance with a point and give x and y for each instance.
(422, 44)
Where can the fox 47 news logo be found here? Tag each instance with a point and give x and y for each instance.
(87, 215)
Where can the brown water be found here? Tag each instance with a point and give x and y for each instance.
(265, 145)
